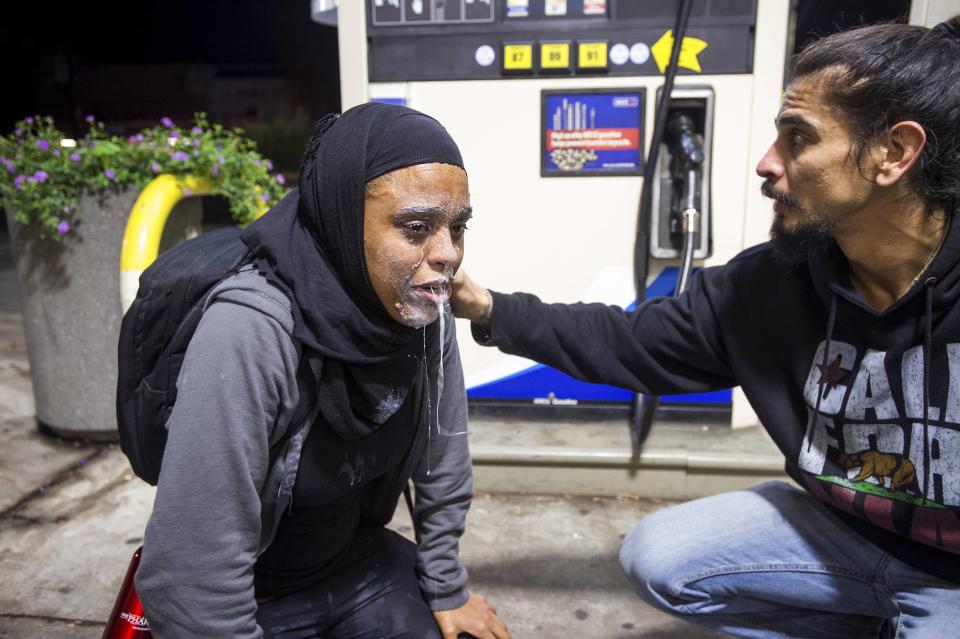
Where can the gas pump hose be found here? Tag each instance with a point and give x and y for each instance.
(644, 407)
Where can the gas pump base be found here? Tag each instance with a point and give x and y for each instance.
(684, 460)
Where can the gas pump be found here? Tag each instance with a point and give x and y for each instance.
(554, 104)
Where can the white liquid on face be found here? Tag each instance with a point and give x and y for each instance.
(416, 314)
(429, 406)
(440, 302)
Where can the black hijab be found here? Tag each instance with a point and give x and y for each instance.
(311, 244)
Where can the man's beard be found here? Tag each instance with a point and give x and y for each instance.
(813, 233)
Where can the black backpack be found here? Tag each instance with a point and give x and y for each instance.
(154, 335)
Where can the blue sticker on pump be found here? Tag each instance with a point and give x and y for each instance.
(518, 8)
(593, 133)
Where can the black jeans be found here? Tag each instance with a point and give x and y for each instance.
(375, 595)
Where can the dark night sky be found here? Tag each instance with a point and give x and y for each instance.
(179, 31)
(819, 17)
(276, 35)
(235, 36)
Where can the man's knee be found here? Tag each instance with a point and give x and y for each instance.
(649, 561)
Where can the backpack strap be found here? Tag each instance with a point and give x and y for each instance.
(288, 447)
(306, 402)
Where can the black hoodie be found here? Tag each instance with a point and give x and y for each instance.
(864, 404)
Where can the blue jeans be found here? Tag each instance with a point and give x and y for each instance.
(772, 561)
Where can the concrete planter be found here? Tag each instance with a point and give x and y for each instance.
(70, 299)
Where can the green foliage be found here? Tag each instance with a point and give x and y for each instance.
(281, 139)
(41, 180)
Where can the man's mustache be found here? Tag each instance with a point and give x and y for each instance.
(772, 192)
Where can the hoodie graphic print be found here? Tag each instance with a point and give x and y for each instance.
(867, 450)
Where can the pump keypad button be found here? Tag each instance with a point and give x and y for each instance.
(555, 56)
(592, 56)
(518, 58)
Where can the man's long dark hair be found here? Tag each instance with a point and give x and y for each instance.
(881, 74)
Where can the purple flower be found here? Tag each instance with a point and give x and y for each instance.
(181, 156)
(43, 145)
(196, 142)
(265, 198)
(7, 164)
(63, 227)
(18, 131)
(196, 130)
(281, 179)
(90, 119)
(174, 134)
(18, 182)
(74, 157)
(28, 120)
(40, 176)
(221, 160)
(167, 122)
(110, 175)
(155, 167)
(216, 169)
(269, 165)
(195, 153)
(56, 153)
(135, 138)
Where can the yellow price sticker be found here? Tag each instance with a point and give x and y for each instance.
(592, 55)
(517, 57)
(555, 55)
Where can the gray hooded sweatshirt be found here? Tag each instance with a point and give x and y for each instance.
(220, 493)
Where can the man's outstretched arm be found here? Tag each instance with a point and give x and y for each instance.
(665, 346)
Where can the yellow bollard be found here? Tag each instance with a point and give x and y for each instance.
(141, 239)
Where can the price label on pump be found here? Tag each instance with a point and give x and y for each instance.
(555, 56)
(518, 57)
(592, 55)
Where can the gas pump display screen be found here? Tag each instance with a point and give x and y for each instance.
(592, 132)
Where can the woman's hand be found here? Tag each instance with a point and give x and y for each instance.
(476, 617)
(471, 301)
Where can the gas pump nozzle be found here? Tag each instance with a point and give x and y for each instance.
(687, 148)
(684, 140)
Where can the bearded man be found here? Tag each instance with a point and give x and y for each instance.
(843, 332)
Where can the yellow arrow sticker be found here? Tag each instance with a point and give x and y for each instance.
(689, 50)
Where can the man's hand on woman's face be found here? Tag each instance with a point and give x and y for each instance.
(471, 301)
(476, 618)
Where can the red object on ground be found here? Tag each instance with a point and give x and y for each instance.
(127, 620)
